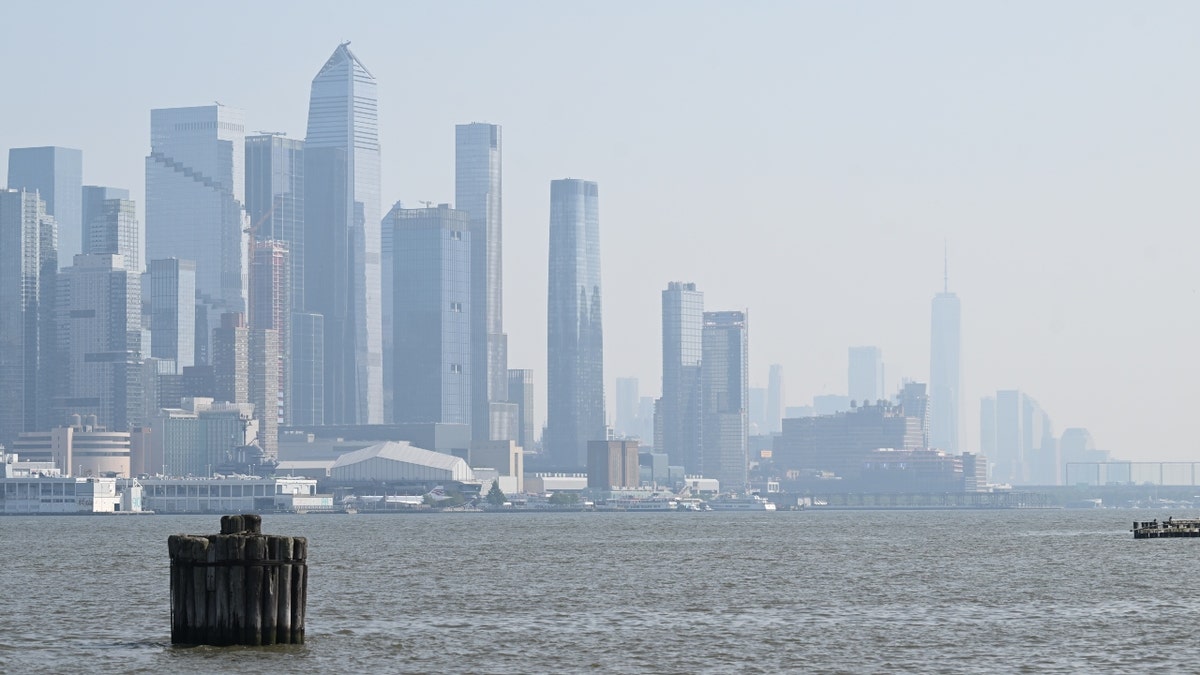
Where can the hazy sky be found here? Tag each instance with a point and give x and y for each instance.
(803, 160)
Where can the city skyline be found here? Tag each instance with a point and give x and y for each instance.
(1042, 314)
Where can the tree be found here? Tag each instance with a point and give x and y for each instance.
(495, 496)
(564, 498)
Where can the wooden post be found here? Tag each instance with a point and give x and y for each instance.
(239, 587)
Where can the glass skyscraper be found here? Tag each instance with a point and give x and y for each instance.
(56, 174)
(575, 334)
(28, 275)
(342, 245)
(945, 376)
(173, 311)
(102, 232)
(433, 294)
(864, 375)
(275, 201)
(682, 325)
(195, 191)
(477, 190)
(726, 385)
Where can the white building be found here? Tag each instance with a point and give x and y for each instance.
(79, 449)
(400, 461)
(232, 494)
(58, 495)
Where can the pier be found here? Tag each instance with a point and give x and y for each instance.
(1156, 529)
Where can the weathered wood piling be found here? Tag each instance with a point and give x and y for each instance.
(239, 587)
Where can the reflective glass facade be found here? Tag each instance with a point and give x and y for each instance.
(520, 392)
(113, 228)
(726, 392)
(342, 245)
(275, 200)
(682, 325)
(478, 191)
(173, 311)
(28, 275)
(56, 174)
(432, 295)
(195, 191)
(575, 334)
(306, 402)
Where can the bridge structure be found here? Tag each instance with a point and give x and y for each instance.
(1166, 474)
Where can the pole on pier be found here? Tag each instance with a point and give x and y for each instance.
(239, 587)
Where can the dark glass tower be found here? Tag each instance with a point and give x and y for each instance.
(682, 323)
(575, 335)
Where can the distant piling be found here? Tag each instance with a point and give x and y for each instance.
(239, 587)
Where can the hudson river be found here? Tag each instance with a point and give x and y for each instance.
(874, 591)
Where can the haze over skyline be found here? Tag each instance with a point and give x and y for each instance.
(805, 162)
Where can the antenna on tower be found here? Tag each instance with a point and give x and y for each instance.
(945, 266)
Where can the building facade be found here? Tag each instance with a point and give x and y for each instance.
(231, 359)
(432, 339)
(28, 280)
(725, 388)
(306, 370)
(840, 443)
(110, 224)
(625, 422)
(945, 375)
(520, 392)
(682, 328)
(613, 465)
(173, 311)
(864, 375)
(195, 192)
(575, 334)
(275, 202)
(99, 334)
(342, 244)
(56, 174)
(478, 192)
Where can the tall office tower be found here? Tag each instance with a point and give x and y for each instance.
(627, 406)
(57, 175)
(865, 375)
(270, 310)
(775, 399)
(758, 411)
(28, 277)
(173, 311)
(645, 428)
(520, 391)
(477, 190)
(275, 202)
(1009, 444)
(231, 359)
(945, 376)
(195, 187)
(93, 209)
(262, 386)
(987, 426)
(726, 384)
(306, 384)
(682, 326)
(914, 401)
(341, 236)
(99, 335)
(432, 295)
(113, 228)
(575, 344)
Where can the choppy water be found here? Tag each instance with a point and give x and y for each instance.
(1066, 591)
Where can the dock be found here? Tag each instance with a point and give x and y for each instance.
(1155, 529)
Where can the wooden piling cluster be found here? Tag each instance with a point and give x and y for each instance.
(1155, 529)
(240, 587)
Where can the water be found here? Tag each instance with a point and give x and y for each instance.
(1064, 591)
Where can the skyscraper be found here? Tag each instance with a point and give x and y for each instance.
(231, 359)
(575, 334)
(775, 398)
(28, 276)
(342, 245)
(173, 311)
(865, 375)
(195, 187)
(725, 384)
(477, 190)
(682, 326)
(99, 332)
(112, 227)
(275, 201)
(270, 311)
(57, 175)
(432, 296)
(306, 372)
(520, 391)
(945, 376)
(625, 423)
(94, 198)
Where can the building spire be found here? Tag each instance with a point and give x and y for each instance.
(945, 266)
